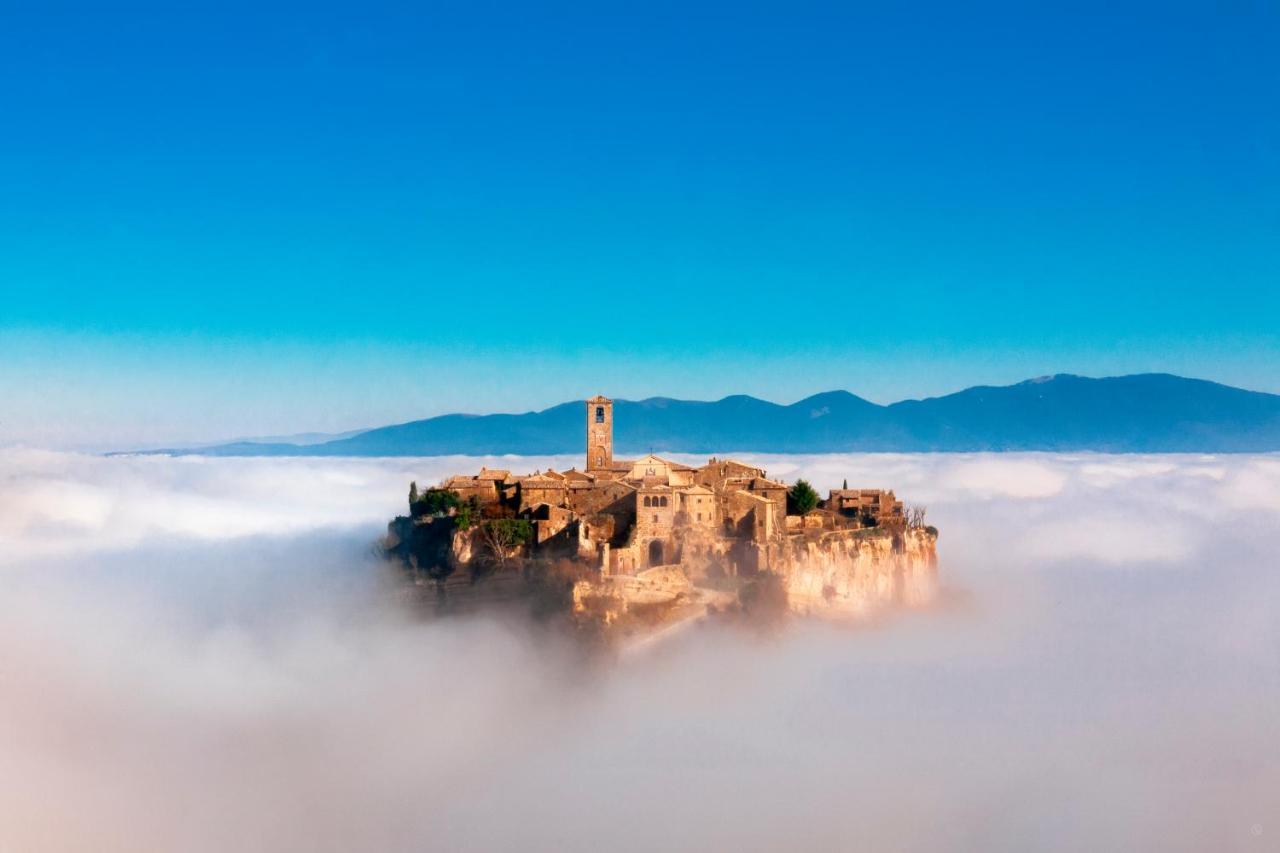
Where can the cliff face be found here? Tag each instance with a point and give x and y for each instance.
(851, 573)
(842, 573)
(463, 547)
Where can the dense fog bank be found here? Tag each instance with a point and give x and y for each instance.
(205, 654)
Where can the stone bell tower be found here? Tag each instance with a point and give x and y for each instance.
(599, 433)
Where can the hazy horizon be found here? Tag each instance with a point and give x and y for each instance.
(308, 436)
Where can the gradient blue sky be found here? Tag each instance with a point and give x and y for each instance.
(262, 218)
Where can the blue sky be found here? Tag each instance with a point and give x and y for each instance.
(261, 218)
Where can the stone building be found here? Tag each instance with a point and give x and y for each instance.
(626, 516)
(487, 486)
(880, 504)
(549, 488)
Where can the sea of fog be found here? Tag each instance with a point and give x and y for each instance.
(205, 655)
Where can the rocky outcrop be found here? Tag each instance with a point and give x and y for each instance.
(840, 573)
(858, 572)
(833, 573)
(608, 597)
(463, 547)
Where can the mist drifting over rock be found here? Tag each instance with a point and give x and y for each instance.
(206, 654)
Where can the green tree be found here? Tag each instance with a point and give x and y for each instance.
(413, 494)
(434, 502)
(467, 513)
(802, 497)
(845, 486)
(504, 535)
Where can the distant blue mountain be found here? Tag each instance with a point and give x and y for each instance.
(1125, 414)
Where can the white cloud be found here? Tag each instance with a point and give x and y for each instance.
(996, 477)
(201, 654)
(1111, 540)
(1254, 486)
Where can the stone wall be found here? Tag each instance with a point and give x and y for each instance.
(557, 519)
(542, 493)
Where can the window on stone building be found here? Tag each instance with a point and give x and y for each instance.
(599, 414)
(646, 500)
(662, 501)
(655, 519)
(699, 516)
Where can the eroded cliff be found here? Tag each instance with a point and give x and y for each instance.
(841, 574)
(859, 572)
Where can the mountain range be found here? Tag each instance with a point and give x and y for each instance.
(1123, 414)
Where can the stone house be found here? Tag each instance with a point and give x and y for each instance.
(880, 504)
(625, 516)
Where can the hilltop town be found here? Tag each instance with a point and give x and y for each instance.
(652, 535)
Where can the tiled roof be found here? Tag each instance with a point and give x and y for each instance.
(542, 481)
(762, 483)
(731, 463)
(654, 458)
